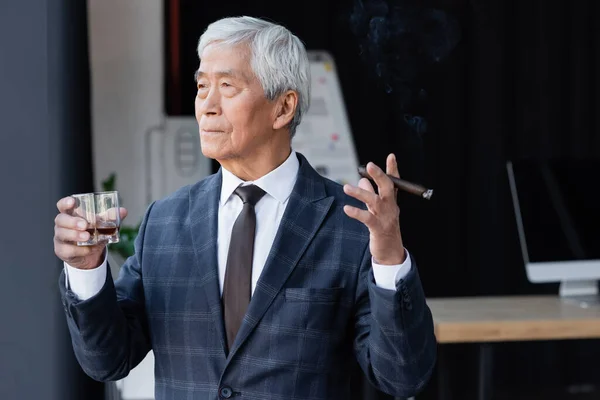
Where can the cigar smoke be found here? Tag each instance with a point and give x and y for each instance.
(399, 38)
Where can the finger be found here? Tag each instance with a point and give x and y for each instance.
(392, 166)
(70, 235)
(70, 252)
(365, 184)
(69, 222)
(363, 216)
(111, 215)
(65, 204)
(367, 197)
(383, 182)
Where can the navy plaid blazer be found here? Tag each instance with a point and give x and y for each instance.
(315, 307)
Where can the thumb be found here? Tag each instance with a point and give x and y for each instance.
(123, 213)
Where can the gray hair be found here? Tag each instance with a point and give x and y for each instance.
(278, 57)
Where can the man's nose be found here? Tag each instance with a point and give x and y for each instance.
(211, 104)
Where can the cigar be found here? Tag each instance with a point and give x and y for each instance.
(401, 184)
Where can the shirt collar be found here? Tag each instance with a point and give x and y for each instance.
(277, 183)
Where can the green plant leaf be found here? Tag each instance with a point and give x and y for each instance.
(110, 183)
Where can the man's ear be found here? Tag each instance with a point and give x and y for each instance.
(286, 108)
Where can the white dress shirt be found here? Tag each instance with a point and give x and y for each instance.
(278, 185)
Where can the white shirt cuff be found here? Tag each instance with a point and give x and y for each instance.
(387, 276)
(86, 283)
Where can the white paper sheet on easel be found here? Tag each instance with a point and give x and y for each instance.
(324, 135)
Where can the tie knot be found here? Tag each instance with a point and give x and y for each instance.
(250, 194)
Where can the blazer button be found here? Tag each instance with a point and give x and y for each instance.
(225, 392)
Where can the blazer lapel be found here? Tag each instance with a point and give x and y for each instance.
(304, 214)
(204, 213)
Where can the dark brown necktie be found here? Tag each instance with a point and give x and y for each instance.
(238, 272)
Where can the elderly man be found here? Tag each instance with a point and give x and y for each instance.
(262, 280)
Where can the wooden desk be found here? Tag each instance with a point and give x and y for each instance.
(518, 318)
(486, 320)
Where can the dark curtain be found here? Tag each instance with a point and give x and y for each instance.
(45, 154)
(70, 132)
(522, 80)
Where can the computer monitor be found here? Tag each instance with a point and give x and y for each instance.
(558, 221)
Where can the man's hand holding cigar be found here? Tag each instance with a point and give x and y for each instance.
(382, 214)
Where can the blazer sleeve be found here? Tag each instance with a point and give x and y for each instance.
(109, 331)
(394, 339)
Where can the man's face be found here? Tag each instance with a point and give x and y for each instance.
(234, 117)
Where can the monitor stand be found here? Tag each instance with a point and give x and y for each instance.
(583, 293)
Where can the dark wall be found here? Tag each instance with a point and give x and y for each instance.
(44, 155)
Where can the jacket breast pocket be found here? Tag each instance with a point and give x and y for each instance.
(314, 309)
(313, 295)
